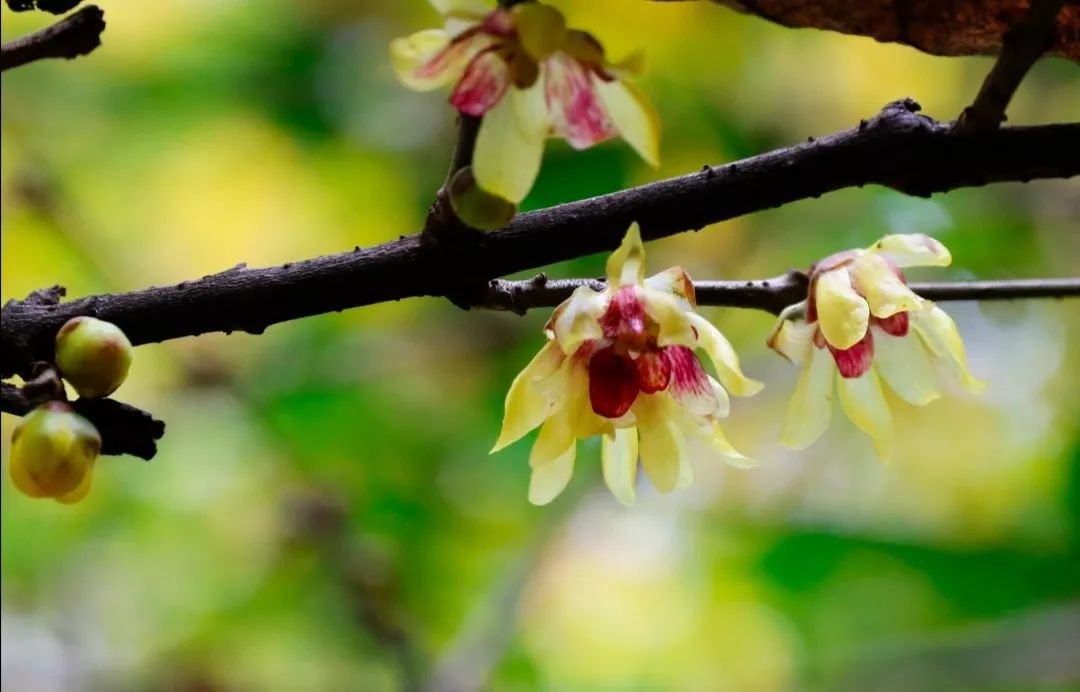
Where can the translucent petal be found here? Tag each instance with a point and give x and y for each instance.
(810, 407)
(526, 406)
(723, 401)
(865, 405)
(674, 281)
(428, 60)
(626, 266)
(22, 478)
(885, 292)
(541, 29)
(551, 478)
(573, 102)
(556, 435)
(913, 250)
(577, 319)
(632, 116)
(672, 317)
(81, 491)
(843, 314)
(506, 159)
(792, 339)
(659, 441)
(619, 453)
(904, 364)
(484, 82)
(939, 333)
(723, 358)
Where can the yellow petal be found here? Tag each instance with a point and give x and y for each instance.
(810, 407)
(672, 317)
(79, 492)
(885, 292)
(865, 405)
(723, 358)
(723, 401)
(619, 453)
(842, 313)
(551, 478)
(674, 281)
(22, 479)
(633, 117)
(626, 266)
(913, 250)
(904, 364)
(659, 441)
(541, 29)
(506, 159)
(707, 431)
(426, 60)
(526, 407)
(939, 333)
(792, 339)
(576, 320)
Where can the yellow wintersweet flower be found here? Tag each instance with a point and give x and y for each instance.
(621, 363)
(53, 450)
(858, 321)
(530, 77)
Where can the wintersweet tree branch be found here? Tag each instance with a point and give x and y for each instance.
(898, 149)
(1021, 46)
(74, 35)
(771, 295)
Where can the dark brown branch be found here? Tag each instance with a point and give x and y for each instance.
(74, 35)
(1020, 48)
(51, 6)
(772, 295)
(124, 429)
(898, 149)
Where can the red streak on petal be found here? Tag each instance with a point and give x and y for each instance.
(689, 382)
(625, 315)
(575, 108)
(653, 371)
(483, 84)
(613, 383)
(855, 361)
(897, 324)
(499, 23)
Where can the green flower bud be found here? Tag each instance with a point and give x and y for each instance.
(53, 450)
(476, 207)
(93, 355)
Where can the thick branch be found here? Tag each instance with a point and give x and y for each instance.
(74, 35)
(124, 429)
(898, 149)
(1021, 47)
(772, 295)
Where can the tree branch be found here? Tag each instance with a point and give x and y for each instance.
(898, 149)
(1021, 46)
(74, 35)
(771, 295)
(124, 429)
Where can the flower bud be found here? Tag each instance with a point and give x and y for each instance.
(93, 355)
(52, 453)
(476, 207)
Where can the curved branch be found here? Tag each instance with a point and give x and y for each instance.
(1020, 48)
(771, 295)
(898, 148)
(74, 35)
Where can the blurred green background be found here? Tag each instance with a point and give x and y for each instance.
(323, 513)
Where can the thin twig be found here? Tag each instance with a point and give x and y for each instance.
(771, 295)
(898, 149)
(74, 35)
(1020, 48)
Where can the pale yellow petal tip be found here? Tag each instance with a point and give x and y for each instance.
(973, 384)
(737, 460)
(627, 501)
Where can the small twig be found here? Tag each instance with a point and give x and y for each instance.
(442, 223)
(124, 429)
(1021, 46)
(771, 295)
(51, 6)
(75, 35)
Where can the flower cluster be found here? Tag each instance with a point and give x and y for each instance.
(622, 363)
(53, 449)
(530, 77)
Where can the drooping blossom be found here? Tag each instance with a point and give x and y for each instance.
(530, 77)
(861, 322)
(622, 363)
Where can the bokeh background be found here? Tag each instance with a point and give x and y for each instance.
(323, 513)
